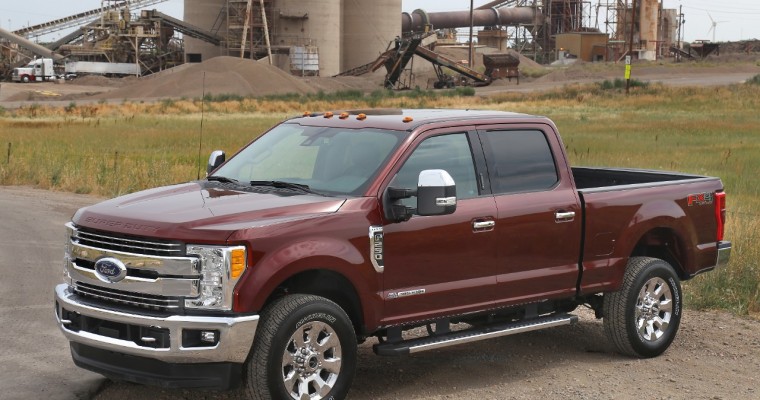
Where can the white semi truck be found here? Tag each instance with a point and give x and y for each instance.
(38, 70)
(43, 69)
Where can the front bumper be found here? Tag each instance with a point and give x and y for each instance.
(724, 254)
(160, 338)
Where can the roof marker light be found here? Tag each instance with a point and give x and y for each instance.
(307, 113)
(343, 115)
(361, 117)
(328, 114)
(408, 119)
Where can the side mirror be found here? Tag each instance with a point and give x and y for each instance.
(216, 159)
(436, 193)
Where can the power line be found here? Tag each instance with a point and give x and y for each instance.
(756, 12)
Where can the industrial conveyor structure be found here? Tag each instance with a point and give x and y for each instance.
(396, 59)
(82, 18)
(146, 39)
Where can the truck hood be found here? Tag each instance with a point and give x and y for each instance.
(206, 211)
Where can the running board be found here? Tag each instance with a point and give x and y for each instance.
(472, 335)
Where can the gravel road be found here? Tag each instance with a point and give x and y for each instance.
(715, 356)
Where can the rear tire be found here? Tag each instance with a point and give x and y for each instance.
(642, 318)
(305, 347)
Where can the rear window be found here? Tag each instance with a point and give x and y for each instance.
(519, 161)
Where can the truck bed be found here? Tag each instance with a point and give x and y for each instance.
(629, 210)
(589, 179)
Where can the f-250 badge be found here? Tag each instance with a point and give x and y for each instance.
(700, 199)
(376, 247)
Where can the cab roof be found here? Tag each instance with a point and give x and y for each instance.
(402, 119)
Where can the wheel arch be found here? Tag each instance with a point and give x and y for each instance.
(666, 244)
(325, 283)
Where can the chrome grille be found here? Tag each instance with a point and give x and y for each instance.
(147, 301)
(128, 244)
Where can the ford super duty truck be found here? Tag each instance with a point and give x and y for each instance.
(330, 229)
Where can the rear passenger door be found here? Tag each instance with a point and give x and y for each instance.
(538, 224)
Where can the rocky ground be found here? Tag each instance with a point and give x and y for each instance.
(715, 356)
(233, 76)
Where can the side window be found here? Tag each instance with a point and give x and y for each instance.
(448, 152)
(519, 161)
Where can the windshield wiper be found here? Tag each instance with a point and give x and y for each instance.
(287, 185)
(223, 179)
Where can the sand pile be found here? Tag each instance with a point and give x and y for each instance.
(526, 62)
(102, 81)
(461, 53)
(223, 75)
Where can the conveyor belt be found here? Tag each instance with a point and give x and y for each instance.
(187, 29)
(81, 18)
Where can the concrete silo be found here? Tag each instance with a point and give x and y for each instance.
(314, 24)
(648, 28)
(342, 33)
(368, 27)
(208, 15)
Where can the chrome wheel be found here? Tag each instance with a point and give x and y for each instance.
(654, 309)
(311, 362)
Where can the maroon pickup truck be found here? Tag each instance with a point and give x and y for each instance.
(330, 229)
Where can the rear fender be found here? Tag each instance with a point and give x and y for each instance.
(654, 215)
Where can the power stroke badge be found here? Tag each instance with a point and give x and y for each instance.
(376, 247)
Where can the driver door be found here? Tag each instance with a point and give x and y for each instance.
(441, 264)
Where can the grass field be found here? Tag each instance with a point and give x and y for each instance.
(114, 149)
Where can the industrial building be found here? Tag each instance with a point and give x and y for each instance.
(328, 37)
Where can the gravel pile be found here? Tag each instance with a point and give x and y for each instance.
(223, 75)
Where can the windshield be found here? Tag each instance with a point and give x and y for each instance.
(328, 160)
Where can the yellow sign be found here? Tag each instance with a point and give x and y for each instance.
(627, 72)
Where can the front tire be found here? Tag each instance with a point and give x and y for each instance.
(642, 318)
(305, 348)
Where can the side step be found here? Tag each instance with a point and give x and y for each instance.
(472, 335)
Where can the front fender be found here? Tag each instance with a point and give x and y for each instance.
(268, 272)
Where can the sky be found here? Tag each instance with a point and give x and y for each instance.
(736, 20)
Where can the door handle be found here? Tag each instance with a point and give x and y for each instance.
(561, 216)
(478, 225)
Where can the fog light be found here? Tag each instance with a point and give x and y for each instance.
(208, 336)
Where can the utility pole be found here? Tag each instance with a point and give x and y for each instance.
(678, 39)
(471, 59)
(630, 50)
(682, 28)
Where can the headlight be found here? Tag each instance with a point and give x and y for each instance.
(221, 268)
(70, 233)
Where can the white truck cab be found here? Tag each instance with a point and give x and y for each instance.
(38, 70)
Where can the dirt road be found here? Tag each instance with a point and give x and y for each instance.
(715, 356)
(34, 356)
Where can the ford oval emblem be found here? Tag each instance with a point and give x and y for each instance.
(110, 270)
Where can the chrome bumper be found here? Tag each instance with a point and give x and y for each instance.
(235, 333)
(724, 254)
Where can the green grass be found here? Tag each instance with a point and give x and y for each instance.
(755, 80)
(115, 149)
(113, 156)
